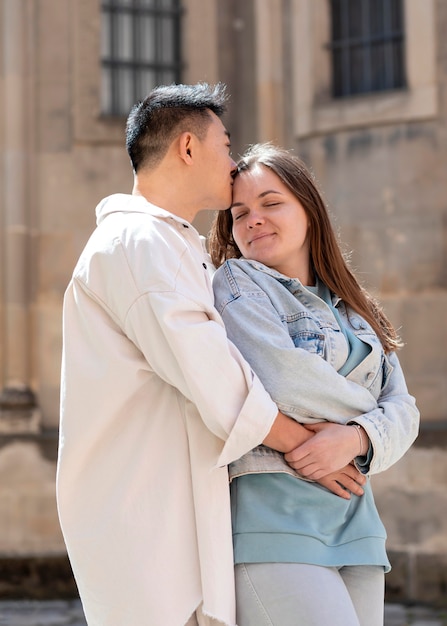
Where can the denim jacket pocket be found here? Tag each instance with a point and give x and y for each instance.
(311, 342)
(305, 332)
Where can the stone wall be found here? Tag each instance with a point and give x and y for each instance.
(412, 500)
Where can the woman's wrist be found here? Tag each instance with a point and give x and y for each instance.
(363, 440)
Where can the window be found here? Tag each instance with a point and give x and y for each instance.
(367, 46)
(316, 111)
(140, 49)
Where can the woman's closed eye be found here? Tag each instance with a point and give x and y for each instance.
(238, 216)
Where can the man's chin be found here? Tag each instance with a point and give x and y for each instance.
(223, 206)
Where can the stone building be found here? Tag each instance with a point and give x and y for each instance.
(357, 87)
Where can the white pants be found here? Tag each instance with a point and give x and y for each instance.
(295, 594)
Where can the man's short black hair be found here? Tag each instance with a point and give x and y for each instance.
(165, 113)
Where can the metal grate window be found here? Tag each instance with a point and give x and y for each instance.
(140, 49)
(367, 46)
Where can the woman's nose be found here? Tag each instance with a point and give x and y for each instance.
(255, 219)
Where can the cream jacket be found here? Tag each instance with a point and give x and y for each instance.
(155, 402)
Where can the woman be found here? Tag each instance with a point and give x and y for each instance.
(327, 354)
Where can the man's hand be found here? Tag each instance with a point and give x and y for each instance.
(286, 434)
(344, 482)
(332, 448)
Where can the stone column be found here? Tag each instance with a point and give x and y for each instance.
(270, 70)
(17, 401)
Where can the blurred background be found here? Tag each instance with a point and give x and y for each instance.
(357, 88)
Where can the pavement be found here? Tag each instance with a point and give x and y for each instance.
(41, 613)
(399, 615)
(69, 613)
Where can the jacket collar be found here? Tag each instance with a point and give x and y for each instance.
(285, 280)
(127, 203)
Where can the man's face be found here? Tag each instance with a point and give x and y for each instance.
(216, 167)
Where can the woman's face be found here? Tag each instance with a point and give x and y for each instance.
(270, 224)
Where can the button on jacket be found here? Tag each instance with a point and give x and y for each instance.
(295, 345)
(155, 402)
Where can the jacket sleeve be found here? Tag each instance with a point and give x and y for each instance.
(307, 387)
(393, 426)
(184, 341)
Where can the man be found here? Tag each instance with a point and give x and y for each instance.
(154, 399)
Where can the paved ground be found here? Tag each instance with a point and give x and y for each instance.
(59, 613)
(398, 615)
(51, 613)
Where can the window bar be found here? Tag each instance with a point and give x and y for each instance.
(136, 48)
(400, 58)
(114, 52)
(177, 43)
(389, 69)
(366, 28)
(345, 49)
(158, 47)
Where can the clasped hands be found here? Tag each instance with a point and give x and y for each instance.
(326, 458)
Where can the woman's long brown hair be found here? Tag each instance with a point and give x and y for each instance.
(325, 253)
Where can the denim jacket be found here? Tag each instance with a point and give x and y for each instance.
(293, 342)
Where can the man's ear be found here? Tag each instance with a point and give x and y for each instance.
(185, 147)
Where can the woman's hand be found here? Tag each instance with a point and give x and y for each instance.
(344, 482)
(332, 448)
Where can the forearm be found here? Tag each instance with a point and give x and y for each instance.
(286, 434)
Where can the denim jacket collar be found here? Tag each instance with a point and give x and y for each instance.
(286, 280)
